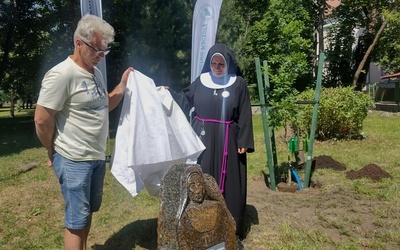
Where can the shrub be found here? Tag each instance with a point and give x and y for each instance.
(341, 113)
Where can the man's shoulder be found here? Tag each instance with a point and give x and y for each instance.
(62, 70)
(63, 65)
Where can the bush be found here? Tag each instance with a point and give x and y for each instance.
(341, 113)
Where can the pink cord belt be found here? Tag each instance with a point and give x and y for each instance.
(225, 156)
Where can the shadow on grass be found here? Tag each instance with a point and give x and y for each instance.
(141, 233)
(251, 218)
(17, 134)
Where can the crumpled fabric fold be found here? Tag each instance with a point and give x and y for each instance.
(153, 134)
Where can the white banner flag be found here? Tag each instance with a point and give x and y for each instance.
(93, 7)
(204, 30)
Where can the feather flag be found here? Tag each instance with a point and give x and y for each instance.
(204, 31)
(94, 7)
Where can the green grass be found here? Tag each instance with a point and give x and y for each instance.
(342, 214)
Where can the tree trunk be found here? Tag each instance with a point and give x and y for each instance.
(320, 33)
(12, 108)
(321, 21)
(369, 50)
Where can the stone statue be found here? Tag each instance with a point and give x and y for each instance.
(203, 218)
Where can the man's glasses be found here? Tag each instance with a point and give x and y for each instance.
(98, 52)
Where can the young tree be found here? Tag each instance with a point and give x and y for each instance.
(284, 37)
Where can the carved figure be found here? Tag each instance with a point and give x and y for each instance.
(203, 218)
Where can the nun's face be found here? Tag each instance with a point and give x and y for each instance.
(196, 188)
(218, 65)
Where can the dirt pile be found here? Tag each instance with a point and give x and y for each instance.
(325, 161)
(371, 171)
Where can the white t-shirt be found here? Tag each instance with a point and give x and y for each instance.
(82, 99)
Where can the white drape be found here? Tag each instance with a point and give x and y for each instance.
(153, 133)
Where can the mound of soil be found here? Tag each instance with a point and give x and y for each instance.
(325, 161)
(371, 171)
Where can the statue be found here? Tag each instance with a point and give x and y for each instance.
(203, 218)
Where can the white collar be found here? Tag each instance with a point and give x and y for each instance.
(206, 80)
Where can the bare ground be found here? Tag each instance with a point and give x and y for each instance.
(335, 215)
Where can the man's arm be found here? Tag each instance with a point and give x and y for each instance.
(45, 128)
(116, 95)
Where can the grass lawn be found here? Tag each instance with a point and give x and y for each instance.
(338, 214)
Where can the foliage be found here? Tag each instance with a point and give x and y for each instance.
(3, 98)
(155, 38)
(388, 48)
(31, 30)
(283, 38)
(341, 113)
(236, 18)
(354, 26)
(152, 36)
(339, 54)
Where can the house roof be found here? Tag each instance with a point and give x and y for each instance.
(395, 75)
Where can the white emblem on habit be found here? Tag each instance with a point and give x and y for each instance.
(225, 94)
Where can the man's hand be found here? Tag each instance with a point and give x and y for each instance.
(116, 95)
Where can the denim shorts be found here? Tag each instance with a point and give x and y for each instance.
(82, 188)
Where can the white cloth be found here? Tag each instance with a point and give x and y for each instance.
(153, 133)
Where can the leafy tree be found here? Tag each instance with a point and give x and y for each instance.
(369, 18)
(284, 38)
(388, 49)
(152, 36)
(28, 34)
(236, 19)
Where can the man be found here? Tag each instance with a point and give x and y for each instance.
(71, 121)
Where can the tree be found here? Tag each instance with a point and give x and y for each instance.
(350, 52)
(154, 37)
(284, 38)
(31, 30)
(236, 19)
(387, 50)
(375, 19)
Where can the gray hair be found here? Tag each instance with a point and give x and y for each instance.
(91, 25)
